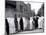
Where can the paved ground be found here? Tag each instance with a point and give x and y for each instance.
(28, 32)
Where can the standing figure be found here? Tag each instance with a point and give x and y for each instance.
(28, 24)
(33, 22)
(7, 26)
(21, 24)
(36, 23)
(31, 25)
(16, 23)
(41, 22)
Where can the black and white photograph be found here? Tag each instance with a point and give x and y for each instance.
(24, 17)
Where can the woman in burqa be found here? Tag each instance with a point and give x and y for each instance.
(33, 22)
(7, 26)
(36, 22)
(16, 23)
(21, 24)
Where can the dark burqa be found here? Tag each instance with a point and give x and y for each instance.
(21, 24)
(7, 26)
(16, 23)
(36, 22)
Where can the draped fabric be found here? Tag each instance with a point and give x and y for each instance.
(41, 22)
(31, 24)
(25, 22)
(7, 26)
(21, 24)
(11, 25)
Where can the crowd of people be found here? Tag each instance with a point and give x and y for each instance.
(14, 25)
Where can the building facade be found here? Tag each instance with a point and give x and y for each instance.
(19, 8)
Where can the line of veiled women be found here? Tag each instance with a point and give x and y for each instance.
(18, 24)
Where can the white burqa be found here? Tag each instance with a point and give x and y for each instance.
(31, 25)
(25, 22)
(11, 25)
(40, 22)
(18, 19)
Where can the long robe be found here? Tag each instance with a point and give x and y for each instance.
(21, 24)
(16, 24)
(25, 22)
(18, 19)
(41, 22)
(31, 25)
(28, 25)
(36, 22)
(11, 25)
(7, 26)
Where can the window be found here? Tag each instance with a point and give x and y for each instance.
(21, 8)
